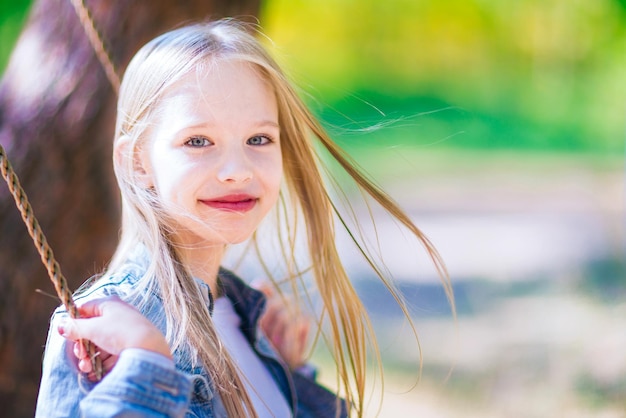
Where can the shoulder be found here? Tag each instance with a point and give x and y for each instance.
(314, 400)
(125, 283)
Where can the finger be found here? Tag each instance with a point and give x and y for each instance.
(84, 365)
(79, 350)
(92, 376)
(279, 328)
(289, 353)
(302, 340)
(66, 329)
(296, 343)
(303, 332)
(95, 307)
(107, 366)
(75, 329)
(109, 362)
(264, 286)
(269, 317)
(79, 329)
(271, 320)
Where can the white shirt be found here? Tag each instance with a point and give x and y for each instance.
(267, 398)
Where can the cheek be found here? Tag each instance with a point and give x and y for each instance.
(170, 176)
(273, 178)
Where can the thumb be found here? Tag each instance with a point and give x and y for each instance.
(74, 329)
(86, 327)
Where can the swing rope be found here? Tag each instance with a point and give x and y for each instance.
(97, 42)
(21, 200)
(41, 243)
(45, 252)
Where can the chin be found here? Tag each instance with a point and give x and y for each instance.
(232, 239)
(239, 239)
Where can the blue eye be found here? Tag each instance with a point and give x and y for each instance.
(259, 140)
(198, 141)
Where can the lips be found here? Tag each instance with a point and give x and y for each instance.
(233, 203)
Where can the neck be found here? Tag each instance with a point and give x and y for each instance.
(203, 263)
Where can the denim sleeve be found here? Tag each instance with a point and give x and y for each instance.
(61, 388)
(139, 385)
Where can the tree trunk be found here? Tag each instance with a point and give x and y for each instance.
(57, 113)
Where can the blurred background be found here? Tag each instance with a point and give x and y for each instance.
(500, 128)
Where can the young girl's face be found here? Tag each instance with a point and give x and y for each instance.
(213, 155)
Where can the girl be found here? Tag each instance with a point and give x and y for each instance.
(210, 135)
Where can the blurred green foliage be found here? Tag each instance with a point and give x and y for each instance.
(12, 16)
(528, 74)
(538, 74)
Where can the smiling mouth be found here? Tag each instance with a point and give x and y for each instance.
(232, 204)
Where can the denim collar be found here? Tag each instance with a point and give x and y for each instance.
(249, 303)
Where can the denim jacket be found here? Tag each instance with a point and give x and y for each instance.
(139, 386)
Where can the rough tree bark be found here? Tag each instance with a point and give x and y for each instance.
(57, 112)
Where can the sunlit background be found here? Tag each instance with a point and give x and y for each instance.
(499, 126)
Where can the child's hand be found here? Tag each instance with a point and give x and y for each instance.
(113, 326)
(287, 331)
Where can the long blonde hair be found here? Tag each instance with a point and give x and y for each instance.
(153, 70)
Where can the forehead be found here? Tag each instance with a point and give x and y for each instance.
(225, 94)
(221, 83)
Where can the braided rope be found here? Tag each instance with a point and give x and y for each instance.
(24, 206)
(97, 42)
(26, 210)
(45, 252)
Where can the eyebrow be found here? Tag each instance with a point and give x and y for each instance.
(207, 125)
(268, 123)
(259, 124)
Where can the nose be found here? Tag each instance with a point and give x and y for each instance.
(235, 167)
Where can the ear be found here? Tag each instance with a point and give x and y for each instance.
(141, 171)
